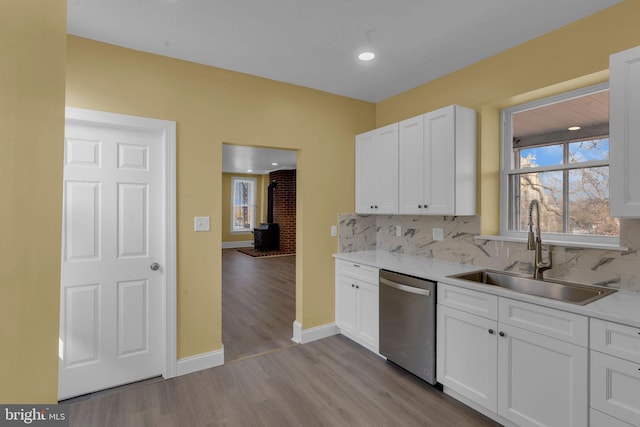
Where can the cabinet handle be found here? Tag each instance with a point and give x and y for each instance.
(501, 334)
(353, 286)
(357, 287)
(376, 206)
(491, 331)
(371, 206)
(419, 206)
(356, 265)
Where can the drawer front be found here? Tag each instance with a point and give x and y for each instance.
(357, 271)
(616, 339)
(553, 323)
(598, 419)
(469, 301)
(615, 387)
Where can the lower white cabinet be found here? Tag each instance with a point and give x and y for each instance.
(467, 353)
(357, 303)
(517, 372)
(615, 373)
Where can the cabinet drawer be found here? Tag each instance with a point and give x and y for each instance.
(553, 323)
(357, 271)
(615, 387)
(598, 419)
(473, 302)
(616, 339)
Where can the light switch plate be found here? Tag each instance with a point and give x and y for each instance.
(334, 231)
(438, 233)
(398, 231)
(201, 223)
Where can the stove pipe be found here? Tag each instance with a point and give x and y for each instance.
(270, 201)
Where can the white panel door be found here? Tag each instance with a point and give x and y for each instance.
(111, 299)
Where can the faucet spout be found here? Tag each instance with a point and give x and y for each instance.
(535, 243)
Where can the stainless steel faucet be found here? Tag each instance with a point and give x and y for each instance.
(536, 244)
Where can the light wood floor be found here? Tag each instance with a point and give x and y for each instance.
(258, 303)
(330, 382)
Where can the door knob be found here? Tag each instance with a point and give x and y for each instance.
(155, 266)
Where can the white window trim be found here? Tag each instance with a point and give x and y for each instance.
(506, 149)
(253, 216)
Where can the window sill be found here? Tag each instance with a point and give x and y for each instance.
(241, 232)
(582, 245)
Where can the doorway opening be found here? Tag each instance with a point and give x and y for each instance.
(259, 247)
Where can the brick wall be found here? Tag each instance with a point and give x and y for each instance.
(284, 207)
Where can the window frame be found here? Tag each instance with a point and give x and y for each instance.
(506, 158)
(254, 184)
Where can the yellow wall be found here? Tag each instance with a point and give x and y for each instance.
(577, 53)
(227, 235)
(212, 106)
(32, 78)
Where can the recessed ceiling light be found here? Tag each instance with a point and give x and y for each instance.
(250, 170)
(574, 128)
(366, 56)
(274, 164)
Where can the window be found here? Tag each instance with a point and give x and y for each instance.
(243, 204)
(556, 150)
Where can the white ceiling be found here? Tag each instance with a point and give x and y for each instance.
(253, 160)
(313, 43)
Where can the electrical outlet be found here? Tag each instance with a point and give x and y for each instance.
(438, 233)
(398, 230)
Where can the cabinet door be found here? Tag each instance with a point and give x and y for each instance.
(386, 173)
(467, 355)
(367, 311)
(366, 164)
(624, 130)
(412, 166)
(542, 381)
(346, 305)
(615, 387)
(439, 158)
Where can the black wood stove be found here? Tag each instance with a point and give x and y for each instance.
(267, 236)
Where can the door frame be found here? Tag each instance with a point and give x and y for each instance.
(167, 130)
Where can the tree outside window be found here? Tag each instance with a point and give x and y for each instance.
(243, 204)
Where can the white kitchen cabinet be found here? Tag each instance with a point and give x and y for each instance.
(357, 303)
(437, 163)
(624, 133)
(512, 363)
(466, 355)
(542, 381)
(615, 371)
(377, 171)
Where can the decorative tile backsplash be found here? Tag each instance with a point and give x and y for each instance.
(611, 268)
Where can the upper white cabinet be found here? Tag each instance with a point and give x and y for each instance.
(377, 171)
(624, 133)
(437, 163)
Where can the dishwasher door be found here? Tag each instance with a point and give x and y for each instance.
(408, 323)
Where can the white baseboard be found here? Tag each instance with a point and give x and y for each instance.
(241, 244)
(199, 362)
(303, 336)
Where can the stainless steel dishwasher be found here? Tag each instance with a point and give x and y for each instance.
(408, 323)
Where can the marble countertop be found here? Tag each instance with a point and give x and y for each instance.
(621, 307)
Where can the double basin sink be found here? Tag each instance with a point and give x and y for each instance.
(548, 288)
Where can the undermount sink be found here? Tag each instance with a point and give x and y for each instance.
(548, 288)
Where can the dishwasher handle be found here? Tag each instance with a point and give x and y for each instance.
(405, 288)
